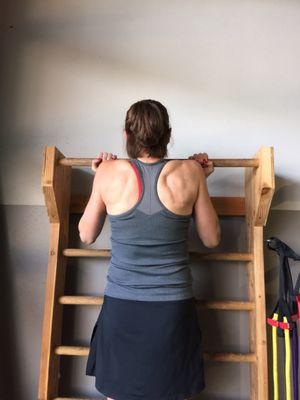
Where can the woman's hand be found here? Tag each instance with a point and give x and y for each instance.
(102, 156)
(202, 158)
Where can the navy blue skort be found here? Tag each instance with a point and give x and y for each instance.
(147, 350)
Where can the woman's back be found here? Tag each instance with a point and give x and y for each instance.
(149, 206)
(149, 240)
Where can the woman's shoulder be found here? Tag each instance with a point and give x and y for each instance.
(111, 172)
(114, 166)
(182, 177)
(186, 166)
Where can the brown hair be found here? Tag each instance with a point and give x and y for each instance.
(148, 129)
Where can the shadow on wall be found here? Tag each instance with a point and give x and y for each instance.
(287, 195)
(10, 368)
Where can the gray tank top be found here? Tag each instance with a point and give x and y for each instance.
(149, 250)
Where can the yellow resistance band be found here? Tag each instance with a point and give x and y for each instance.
(287, 362)
(275, 358)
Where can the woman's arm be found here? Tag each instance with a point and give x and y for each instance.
(93, 218)
(205, 216)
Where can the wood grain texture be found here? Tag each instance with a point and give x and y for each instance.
(56, 186)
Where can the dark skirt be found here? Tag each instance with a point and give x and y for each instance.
(147, 350)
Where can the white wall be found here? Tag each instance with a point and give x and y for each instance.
(227, 71)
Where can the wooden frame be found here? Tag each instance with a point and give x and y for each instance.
(259, 189)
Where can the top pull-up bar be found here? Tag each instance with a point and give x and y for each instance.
(218, 162)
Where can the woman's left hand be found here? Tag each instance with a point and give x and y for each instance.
(103, 155)
(202, 158)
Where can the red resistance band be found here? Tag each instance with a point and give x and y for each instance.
(286, 325)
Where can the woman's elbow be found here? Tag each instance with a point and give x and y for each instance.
(215, 240)
(86, 240)
(84, 236)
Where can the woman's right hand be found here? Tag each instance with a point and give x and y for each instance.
(202, 158)
(102, 156)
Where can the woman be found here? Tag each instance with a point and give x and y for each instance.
(146, 343)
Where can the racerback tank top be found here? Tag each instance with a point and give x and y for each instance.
(149, 250)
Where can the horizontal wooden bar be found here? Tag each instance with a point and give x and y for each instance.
(225, 206)
(80, 351)
(212, 305)
(78, 398)
(106, 253)
(231, 357)
(81, 300)
(218, 162)
(243, 256)
(226, 305)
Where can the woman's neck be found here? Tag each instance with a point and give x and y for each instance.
(149, 160)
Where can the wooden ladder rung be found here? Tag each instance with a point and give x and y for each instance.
(77, 398)
(106, 253)
(232, 357)
(218, 162)
(212, 305)
(227, 305)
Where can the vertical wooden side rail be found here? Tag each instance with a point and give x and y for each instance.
(56, 185)
(259, 189)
